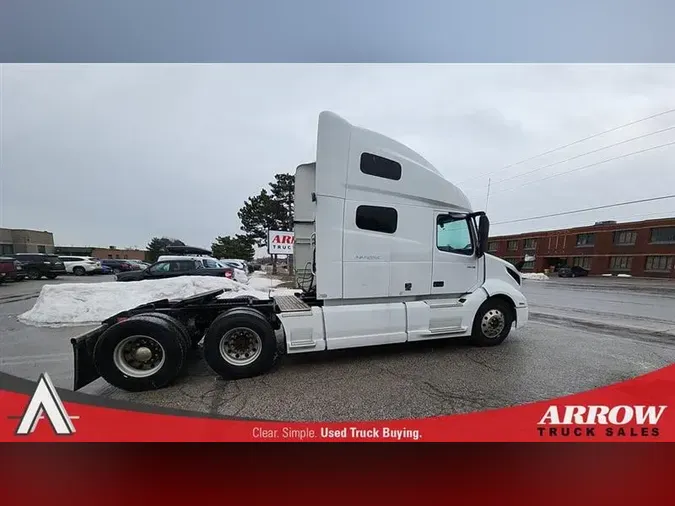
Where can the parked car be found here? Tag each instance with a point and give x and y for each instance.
(37, 265)
(118, 265)
(81, 265)
(106, 269)
(572, 272)
(208, 262)
(240, 269)
(176, 267)
(10, 270)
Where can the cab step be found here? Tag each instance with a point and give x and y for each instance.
(290, 304)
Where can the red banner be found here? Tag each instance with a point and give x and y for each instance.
(636, 410)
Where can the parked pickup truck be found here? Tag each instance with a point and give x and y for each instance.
(10, 270)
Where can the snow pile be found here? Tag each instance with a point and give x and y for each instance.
(537, 276)
(624, 276)
(90, 303)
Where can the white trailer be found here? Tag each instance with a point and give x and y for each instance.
(386, 251)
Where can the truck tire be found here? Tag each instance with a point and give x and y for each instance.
(492, 323)
(176, 324)
(240, 343)
(140, 353)
(243, 298)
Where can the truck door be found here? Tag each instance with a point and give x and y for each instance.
(455, 265)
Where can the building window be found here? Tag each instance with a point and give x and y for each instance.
(377, 166)
(110, 257)
(126, 257)
(377, 219)
(453, 236)
(6, 249)
(493, 246)
(583, 262)
(530, 244)
(42, 249)
(117, 256)
(664, 235)
(512, 245)
(659, 263)
(585, 240)
(528, 266)
(625, 238)
(512, 261)
(620, 263)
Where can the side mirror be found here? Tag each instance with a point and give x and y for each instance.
(483, 234)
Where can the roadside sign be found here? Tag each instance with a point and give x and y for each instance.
(280, 242)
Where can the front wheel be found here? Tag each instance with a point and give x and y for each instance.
(33, 274)
(492, 324)
(240, 343)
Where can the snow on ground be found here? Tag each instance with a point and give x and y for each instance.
(260, 281)
(87, 303)
(537, 276)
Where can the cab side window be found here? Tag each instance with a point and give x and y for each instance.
(453, 236)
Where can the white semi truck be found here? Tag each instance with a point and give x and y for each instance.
(386, 250)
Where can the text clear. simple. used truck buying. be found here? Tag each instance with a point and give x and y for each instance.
(386, 251)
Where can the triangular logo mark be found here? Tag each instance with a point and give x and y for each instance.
(45, 401)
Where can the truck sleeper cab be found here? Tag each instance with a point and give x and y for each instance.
(386, 251)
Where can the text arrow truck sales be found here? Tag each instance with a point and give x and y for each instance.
(591, 420)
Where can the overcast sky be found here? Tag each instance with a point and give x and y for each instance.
(116, 154)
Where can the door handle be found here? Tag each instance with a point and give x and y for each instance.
(470, 266)
(438, 284)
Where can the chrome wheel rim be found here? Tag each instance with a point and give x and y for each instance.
(493, 323)
(139, 356)
(240, 346)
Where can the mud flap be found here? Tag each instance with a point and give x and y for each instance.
(83, 353)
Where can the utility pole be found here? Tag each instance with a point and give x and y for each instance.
(487, 199)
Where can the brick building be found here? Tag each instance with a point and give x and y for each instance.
(641, 248)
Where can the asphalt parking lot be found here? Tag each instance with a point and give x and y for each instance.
(584, 333)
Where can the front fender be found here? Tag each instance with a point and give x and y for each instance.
(495, 287)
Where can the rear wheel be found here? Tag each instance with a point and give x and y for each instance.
(79, 271)
(240, 343)
(33, 274)
(492, 324)
(145, 352)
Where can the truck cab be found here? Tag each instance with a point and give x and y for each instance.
(380, 232)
